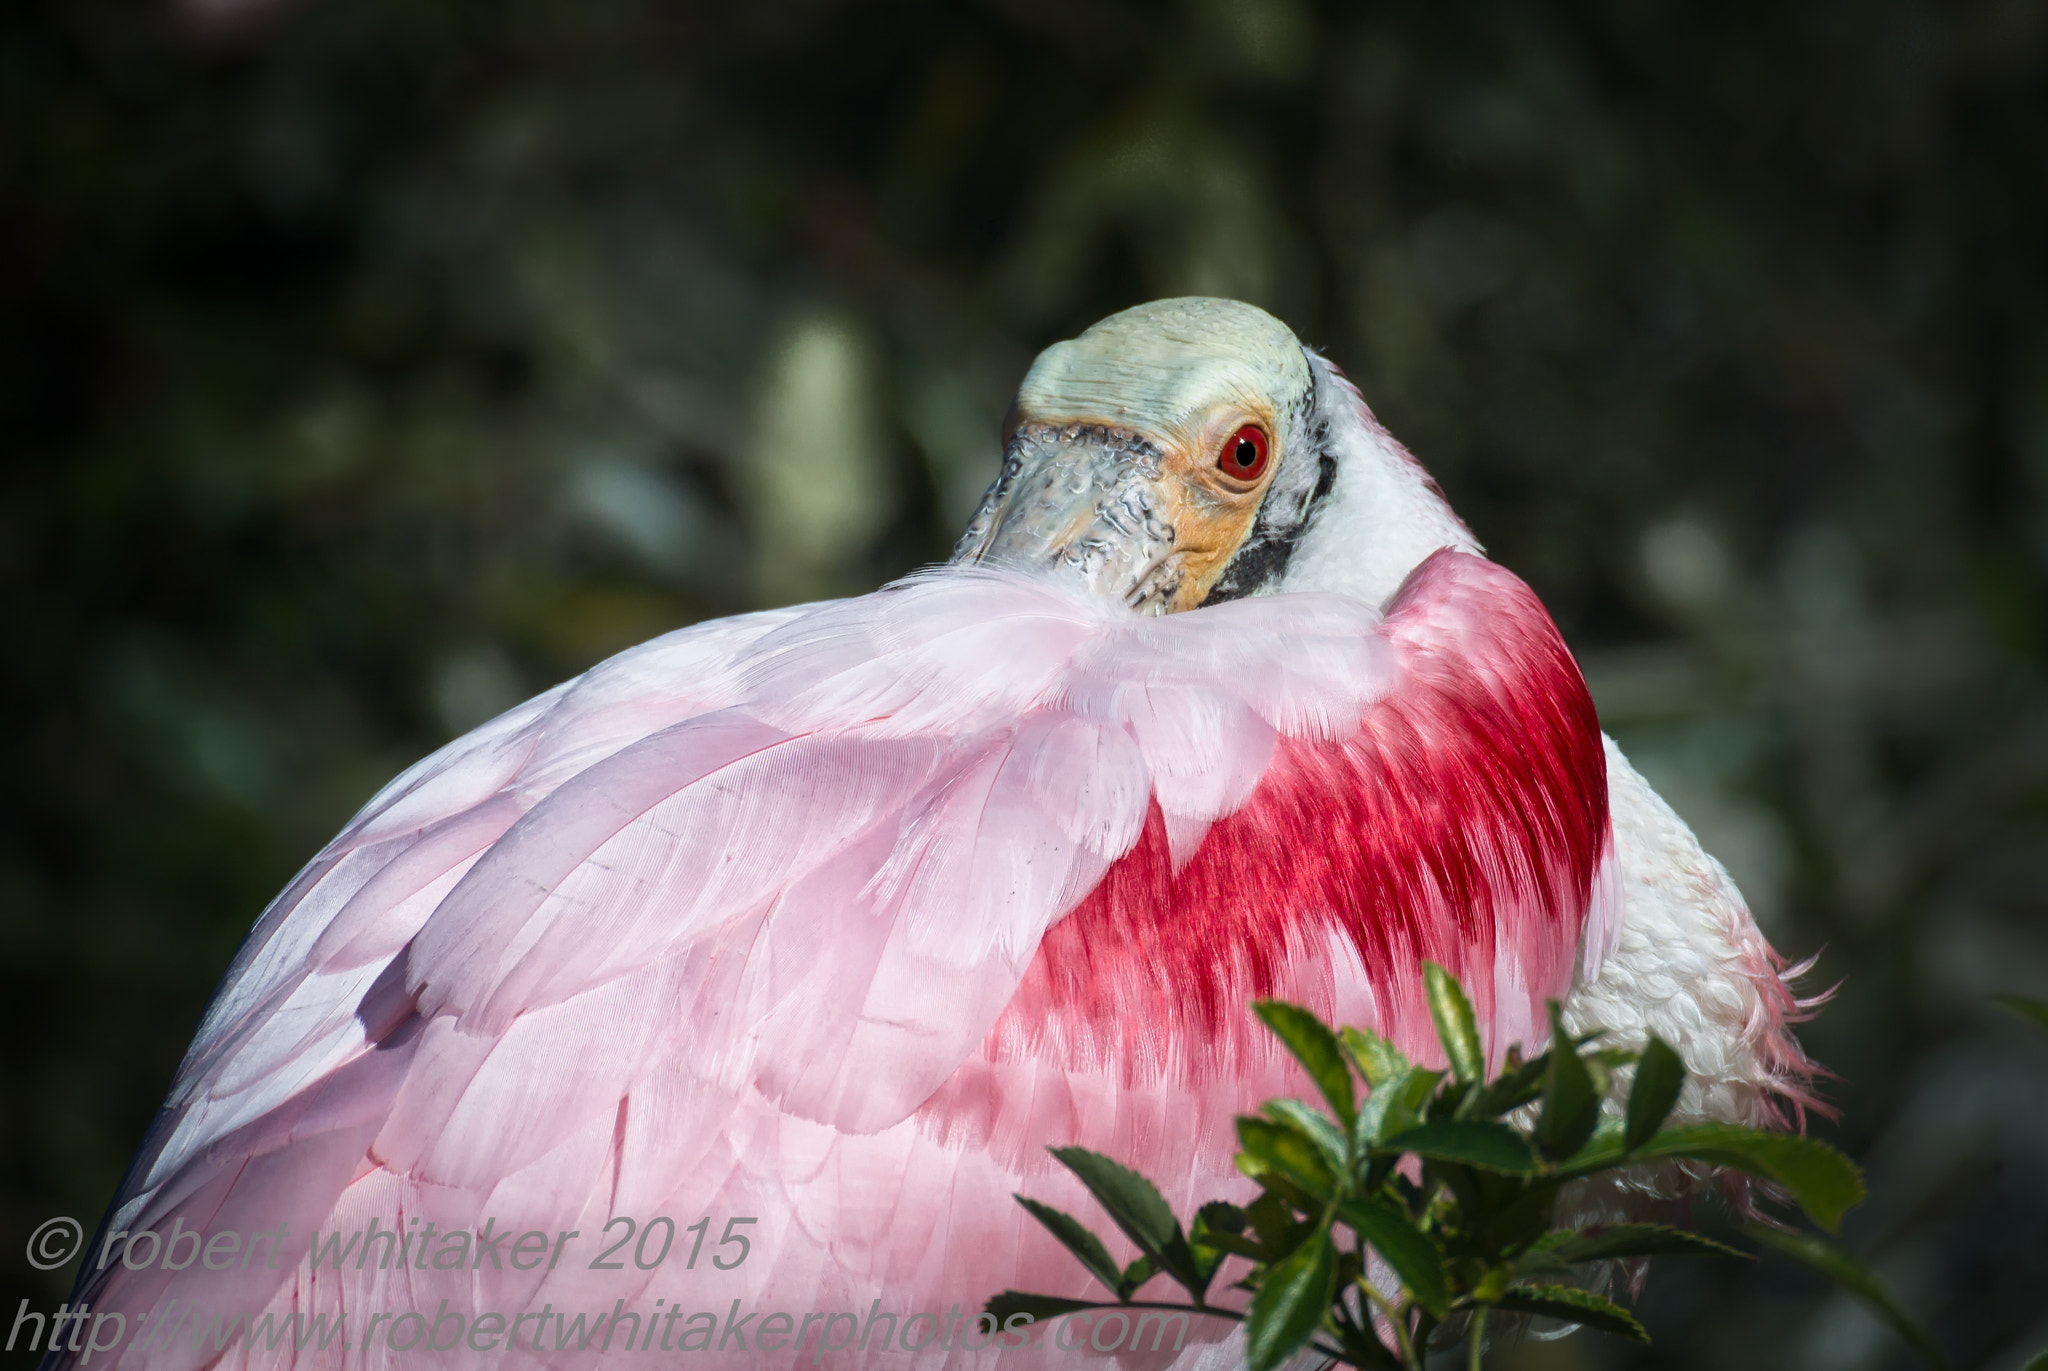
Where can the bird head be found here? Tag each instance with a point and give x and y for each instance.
(1186, 452)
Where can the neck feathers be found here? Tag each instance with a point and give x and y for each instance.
(1383, 515)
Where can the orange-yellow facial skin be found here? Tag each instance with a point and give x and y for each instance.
(1211, 513)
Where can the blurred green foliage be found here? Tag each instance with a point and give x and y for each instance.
(368, 364)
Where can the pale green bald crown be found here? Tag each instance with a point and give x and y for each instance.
(1157, 366)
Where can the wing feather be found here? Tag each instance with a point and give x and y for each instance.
(835, 917)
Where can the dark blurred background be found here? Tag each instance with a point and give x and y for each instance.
(366, 366)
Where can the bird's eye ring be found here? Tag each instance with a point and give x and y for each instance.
(1245, 454)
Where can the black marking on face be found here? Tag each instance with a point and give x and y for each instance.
(1326, 477)
(1257, 562)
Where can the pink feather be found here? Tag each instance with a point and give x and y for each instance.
(834, 919)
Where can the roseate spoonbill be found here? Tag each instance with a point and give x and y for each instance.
(721, 997)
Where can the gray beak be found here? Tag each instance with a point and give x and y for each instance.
(1084, 502)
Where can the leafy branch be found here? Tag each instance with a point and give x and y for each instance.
(1450, 1178)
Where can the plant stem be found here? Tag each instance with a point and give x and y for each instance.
(1477, 1357)
(1397, 1316)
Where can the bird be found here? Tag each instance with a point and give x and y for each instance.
(723, 997)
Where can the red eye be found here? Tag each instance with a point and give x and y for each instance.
(1244, 454)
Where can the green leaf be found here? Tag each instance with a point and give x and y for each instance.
(1404, 1247)
(1316, 1126)
(2037, 1362)
(1317, 1049)
(1291, 1302)
(1456, 1025)
(1394, 1106)
(1471, 1142)
(1039, 1307)
(1634, 1240)
(1603, 1151)
(1274, 1222)
(1135, 1275)
(1660, 1075)
(1449, 1100)
(1574, 1305)
(1286, 1149)
(1571, 1108)
(1838, 1265)
(1218, 1229)
(1825, 1183)
(2032, 1010)
(1536, 1263)
(1137, 1207)
(1378, 1060)
(1510, 1090)
(1238, 1244)
(1284, 1192)
(1079, 1240)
